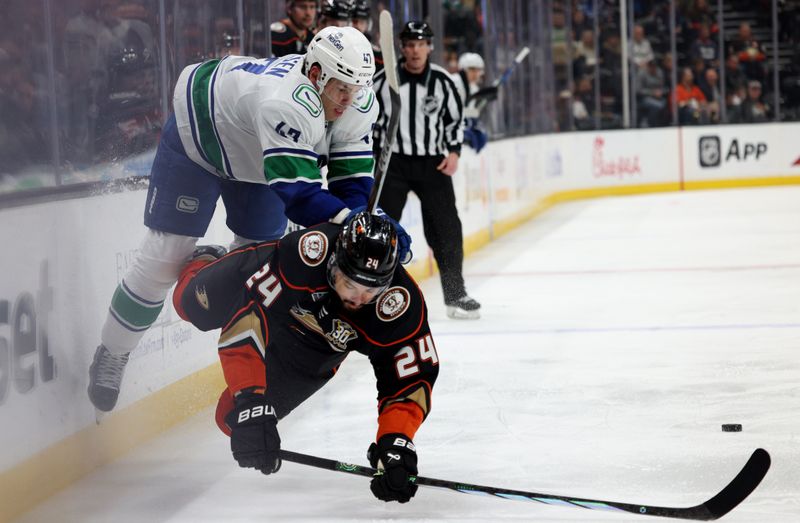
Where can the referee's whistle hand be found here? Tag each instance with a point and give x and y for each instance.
(449, 165)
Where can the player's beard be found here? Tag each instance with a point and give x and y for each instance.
(347, 305)
(351, 306)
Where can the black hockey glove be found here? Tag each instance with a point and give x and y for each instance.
(395, 457)
(254, 433)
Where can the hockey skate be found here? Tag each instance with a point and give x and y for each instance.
(464, 308)
(105, 378)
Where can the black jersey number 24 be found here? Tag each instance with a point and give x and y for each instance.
(269, 287)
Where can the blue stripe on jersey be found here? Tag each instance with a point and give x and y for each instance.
(279, 150)
(190, 110)
(306, 204)
(342, 154)
(228, 169)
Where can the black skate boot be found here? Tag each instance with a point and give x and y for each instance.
(105, 377)
(464, 308)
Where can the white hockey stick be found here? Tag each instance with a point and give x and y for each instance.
(482, 96)
(390, 70)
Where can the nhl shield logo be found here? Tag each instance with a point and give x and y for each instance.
(341, 335)
(430, 105)
(709, 151)
(392, 303)
(313, 246)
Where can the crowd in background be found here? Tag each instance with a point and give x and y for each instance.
(85, 84)
(588, 67)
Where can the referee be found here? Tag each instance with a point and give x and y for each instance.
(425, 157)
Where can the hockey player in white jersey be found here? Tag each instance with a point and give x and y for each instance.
(255, 132)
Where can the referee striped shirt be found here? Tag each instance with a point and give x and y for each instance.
(431, 116)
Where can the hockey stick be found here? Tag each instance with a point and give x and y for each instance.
(390, 70)
(482, 95)
(521, 55)
(726, 500)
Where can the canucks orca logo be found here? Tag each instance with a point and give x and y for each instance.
(306, 96)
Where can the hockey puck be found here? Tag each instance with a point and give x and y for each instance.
(731, 427)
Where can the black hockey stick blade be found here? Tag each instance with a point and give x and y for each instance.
(726, 500)
(390, 70)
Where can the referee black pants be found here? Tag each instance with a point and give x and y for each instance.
(440, 220)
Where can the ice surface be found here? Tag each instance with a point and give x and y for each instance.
(617, 336)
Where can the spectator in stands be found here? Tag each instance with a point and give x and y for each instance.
(88, 45)
(652, 99)
(691, 101)
(583, 104)
(699, 71)
(133, 90)
(735, 99)
(610, 78)
(734, 76)
(585, 55)
(461, 28)
(579, 22)
(641, 51)
(21, 142)
(666, 66)
(559, 38)
(751, 55)
(753, 109)
(698, 14)
(291, 35)
(709, 84)
(704, 48)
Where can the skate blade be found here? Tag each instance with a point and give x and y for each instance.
(457, 313)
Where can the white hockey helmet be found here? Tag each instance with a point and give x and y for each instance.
(342, 53)
(470, 61)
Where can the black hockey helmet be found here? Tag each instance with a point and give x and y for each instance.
(366, 250)
(416, 31)
(361, 9)
(337, 9)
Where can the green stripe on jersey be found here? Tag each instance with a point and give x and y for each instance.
(349, 166)
(201, 103)
(133, 312)
(290, 168)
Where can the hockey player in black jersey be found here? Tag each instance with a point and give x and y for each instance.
(291, 35)
(291, 311)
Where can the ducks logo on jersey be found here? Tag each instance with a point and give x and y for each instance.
(313, 246)
(392, 303)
